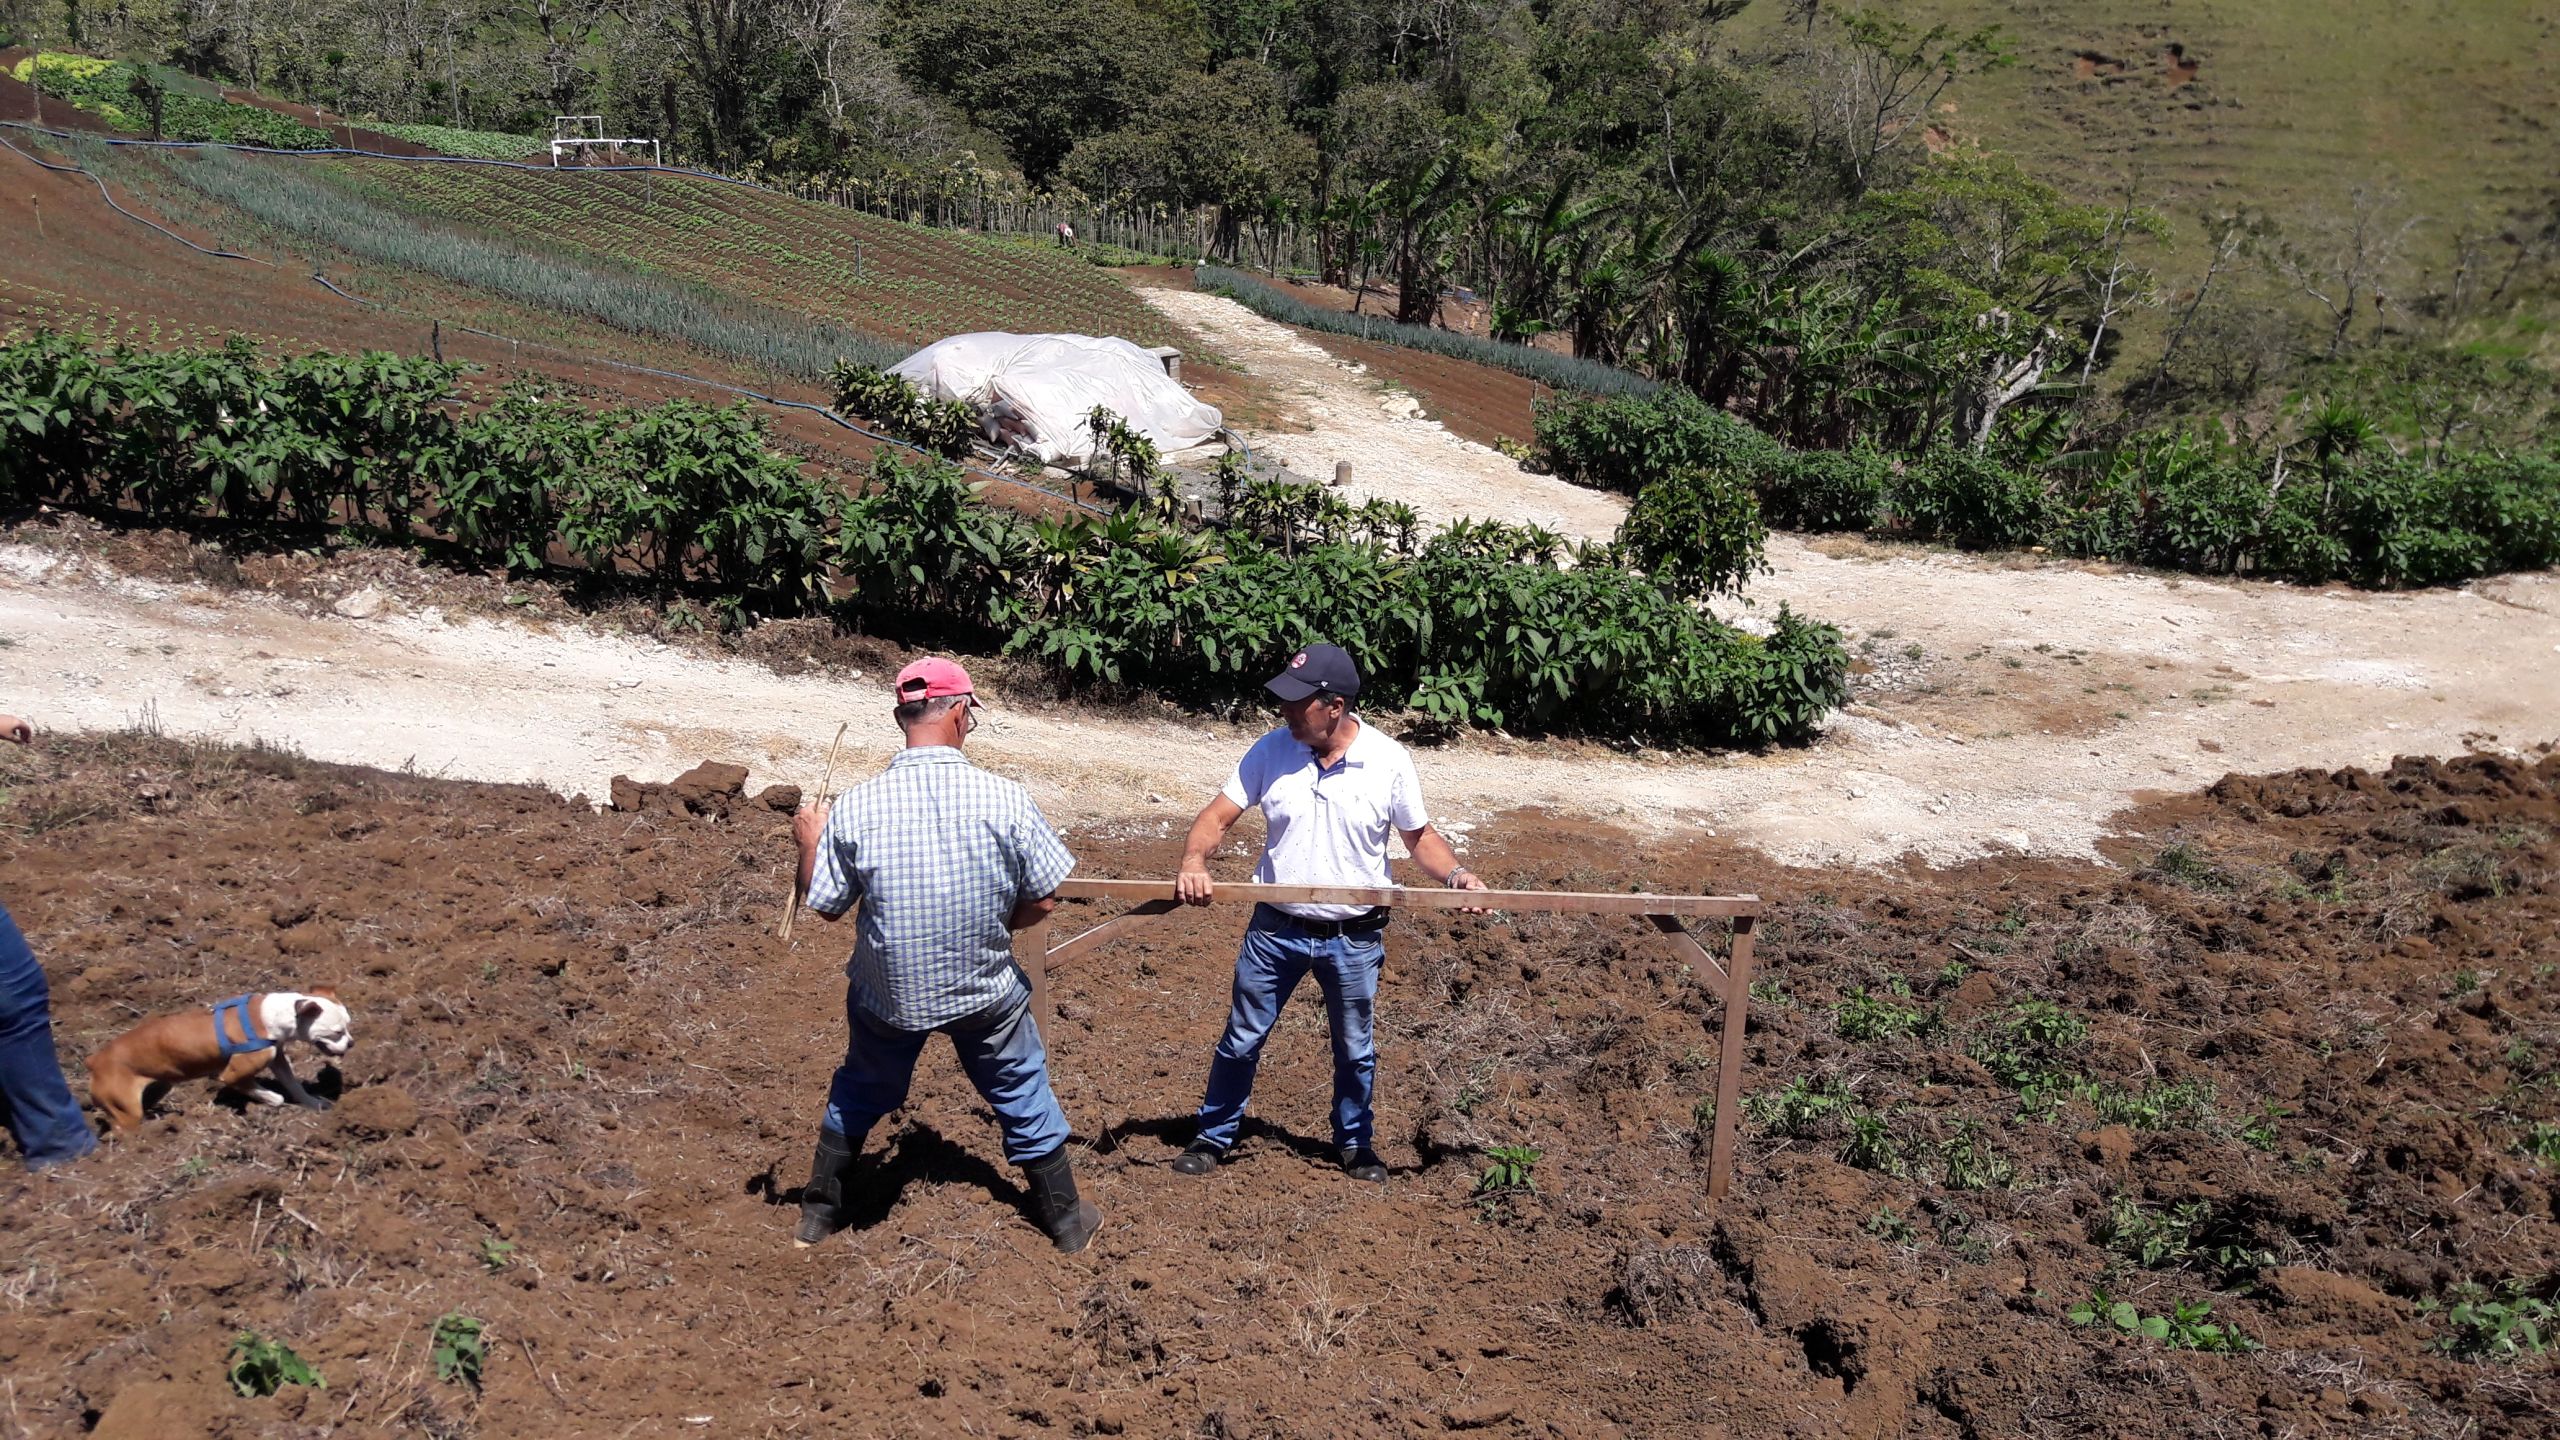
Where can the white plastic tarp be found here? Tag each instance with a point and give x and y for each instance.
(1038, 389)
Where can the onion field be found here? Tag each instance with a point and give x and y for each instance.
(895, 281)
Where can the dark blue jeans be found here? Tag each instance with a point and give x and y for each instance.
(1001, 1053)
(1276, 955)
(34, 1103)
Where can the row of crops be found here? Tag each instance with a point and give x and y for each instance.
(171, 105)
(1478, 624)
(876, 275)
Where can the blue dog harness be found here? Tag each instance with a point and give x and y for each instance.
(237, 1009)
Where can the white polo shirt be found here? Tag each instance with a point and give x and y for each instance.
(1328, 827)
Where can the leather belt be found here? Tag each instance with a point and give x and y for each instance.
(1272, 917)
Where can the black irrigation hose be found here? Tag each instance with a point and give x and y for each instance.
(582, 358)
(106, 195)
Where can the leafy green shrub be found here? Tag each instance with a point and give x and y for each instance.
(1564, 372)
(261, 1366)
(896, 405)
(1972, 500)
(1825, 489)
(1698, 532)
(1484, 624)
(1627, 442)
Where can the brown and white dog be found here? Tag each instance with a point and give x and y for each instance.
(240, 1040)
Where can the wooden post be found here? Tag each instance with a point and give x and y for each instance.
(1737, 1007)
(1031, 952)
(1341, 473)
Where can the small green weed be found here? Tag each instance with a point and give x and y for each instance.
(2026, 1046)
(496, 1254)
(2260, 1133)
(2508, 1323)
(1798, 1110)
(459, 1349)
(1971, 1162)
(2188, 1326)
(1508, 1175)
(2154, 1107)
(2185, 863)
(2152, 1239)
(1891, 1228)
(1866, 1016)
(2542, 1143)
(260, 1366)
(1872, 1146)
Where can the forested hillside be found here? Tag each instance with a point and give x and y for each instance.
(1907, 226)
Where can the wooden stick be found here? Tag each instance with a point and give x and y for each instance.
(826, 786)
(1426, 898)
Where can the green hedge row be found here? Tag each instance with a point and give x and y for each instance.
(2175, 501)
(1472, 626)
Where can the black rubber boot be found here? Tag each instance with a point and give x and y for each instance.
(1362, 1163)
(1201, 1158)
(822, 1199)
(1069, 1218)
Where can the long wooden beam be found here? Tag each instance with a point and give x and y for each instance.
(1425, 898)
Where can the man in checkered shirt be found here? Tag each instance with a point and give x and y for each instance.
(946, 861)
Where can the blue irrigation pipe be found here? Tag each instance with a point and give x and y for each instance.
(580, 356)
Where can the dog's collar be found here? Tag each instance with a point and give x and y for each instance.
(250, 1041)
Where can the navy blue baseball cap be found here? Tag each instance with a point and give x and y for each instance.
(1318, 669)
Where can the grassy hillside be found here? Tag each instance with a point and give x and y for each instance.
(2282, 105)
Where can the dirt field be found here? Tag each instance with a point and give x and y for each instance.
(2320, 1006)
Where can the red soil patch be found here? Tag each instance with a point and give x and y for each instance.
(585, 1076)
(1481, 403)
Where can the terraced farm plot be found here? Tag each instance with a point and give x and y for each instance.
(888, 279)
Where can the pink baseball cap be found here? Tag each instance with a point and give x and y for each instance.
(933, 678)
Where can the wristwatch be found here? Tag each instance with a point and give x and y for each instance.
(1452, 881)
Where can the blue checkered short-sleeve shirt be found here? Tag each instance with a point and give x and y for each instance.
(938, 853)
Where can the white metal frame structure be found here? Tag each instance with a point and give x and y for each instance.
(571, 133)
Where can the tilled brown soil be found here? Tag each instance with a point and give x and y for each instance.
(2319, 1007)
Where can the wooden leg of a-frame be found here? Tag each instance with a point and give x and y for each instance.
(1737, 1008)
(1031, 952)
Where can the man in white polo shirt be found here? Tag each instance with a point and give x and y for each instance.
(1330, 788)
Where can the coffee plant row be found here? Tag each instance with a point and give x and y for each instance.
(1480, 624)
(2337, 506)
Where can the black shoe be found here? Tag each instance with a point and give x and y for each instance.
(1069, 1218)
(1200, 1159)
(822, 1199)
(1362, 1163)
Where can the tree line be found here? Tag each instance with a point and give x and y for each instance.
(1787, 233)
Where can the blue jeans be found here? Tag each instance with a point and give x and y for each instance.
(1276, 955)
(999, 1050)
(34, 1102)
